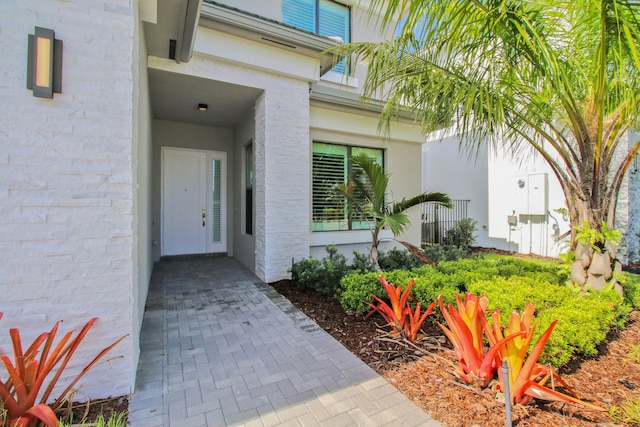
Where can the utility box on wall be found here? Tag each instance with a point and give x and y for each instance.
(532, 194)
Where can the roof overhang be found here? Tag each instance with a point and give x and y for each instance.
(187, 32)
(273, 33)
(352, 100)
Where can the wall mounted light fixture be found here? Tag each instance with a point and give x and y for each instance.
(44, 63)
(203, 107)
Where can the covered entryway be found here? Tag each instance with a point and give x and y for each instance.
(202, 131)
(194, 199)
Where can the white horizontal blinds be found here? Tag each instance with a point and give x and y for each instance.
(324, 17)
(300, 14)
(329, 170)
(216, 208)
(358, 220)
(334, 21)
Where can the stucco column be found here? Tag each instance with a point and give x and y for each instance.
(282, 177)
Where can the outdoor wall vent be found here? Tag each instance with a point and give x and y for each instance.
(279, 43)
(172, 49)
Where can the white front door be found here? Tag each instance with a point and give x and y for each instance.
(193, 201)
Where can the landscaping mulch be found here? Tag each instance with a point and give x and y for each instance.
(426, 375)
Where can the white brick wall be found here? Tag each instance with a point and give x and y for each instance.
(282, 170)
(283, 178)
(66, 183)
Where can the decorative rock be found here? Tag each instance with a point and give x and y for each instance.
(583, 253)
(617, 267)
(601, 265)
(596, 282)
(578, 275)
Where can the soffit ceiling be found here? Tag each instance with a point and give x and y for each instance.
(176, 96)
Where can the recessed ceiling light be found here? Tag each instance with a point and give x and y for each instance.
(203, 107)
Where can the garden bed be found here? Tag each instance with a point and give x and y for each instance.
(607, 380)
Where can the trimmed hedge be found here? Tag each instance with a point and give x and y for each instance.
(356, 289)
(510, 283)
(583, 319)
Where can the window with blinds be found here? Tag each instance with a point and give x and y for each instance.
(248, 192)
(331, 167)
(323, 17)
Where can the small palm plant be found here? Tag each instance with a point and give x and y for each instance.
(367, 191)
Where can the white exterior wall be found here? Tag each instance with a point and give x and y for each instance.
(244, 244)
(445, 169)
(282, 159)
(282, 178)
(66, 185)
(534, 232)
(490, 182)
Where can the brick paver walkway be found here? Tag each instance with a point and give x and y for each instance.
(219, 348)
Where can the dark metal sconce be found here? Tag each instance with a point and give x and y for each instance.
(44, 63)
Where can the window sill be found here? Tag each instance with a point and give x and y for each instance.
(350, 237)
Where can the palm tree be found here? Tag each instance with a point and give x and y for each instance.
(559, 76)
(367, 192)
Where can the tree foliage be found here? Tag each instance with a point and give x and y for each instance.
(368, 189)
(560, 76)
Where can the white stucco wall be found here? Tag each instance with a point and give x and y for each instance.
(461, 178)
(66, 184)
(490, 182)
(244, 243)
(281, 135)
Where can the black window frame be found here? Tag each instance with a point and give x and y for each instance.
(348, 221)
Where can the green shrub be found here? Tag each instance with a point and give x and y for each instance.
(510, 283)
(583, 320)
(361, 263)
(438, 253)
(356, 289)
(322, 276)
(462, 234)
(483, 267)
(398, 259)
(631, 288)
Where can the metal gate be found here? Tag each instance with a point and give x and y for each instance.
(436, 220)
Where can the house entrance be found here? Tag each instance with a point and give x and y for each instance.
(194, 201)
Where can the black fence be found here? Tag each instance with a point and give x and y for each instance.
(436, 220)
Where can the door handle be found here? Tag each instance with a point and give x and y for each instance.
(204, 216)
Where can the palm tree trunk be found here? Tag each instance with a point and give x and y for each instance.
(373, 252)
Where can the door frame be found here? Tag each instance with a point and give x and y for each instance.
(211, 247)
